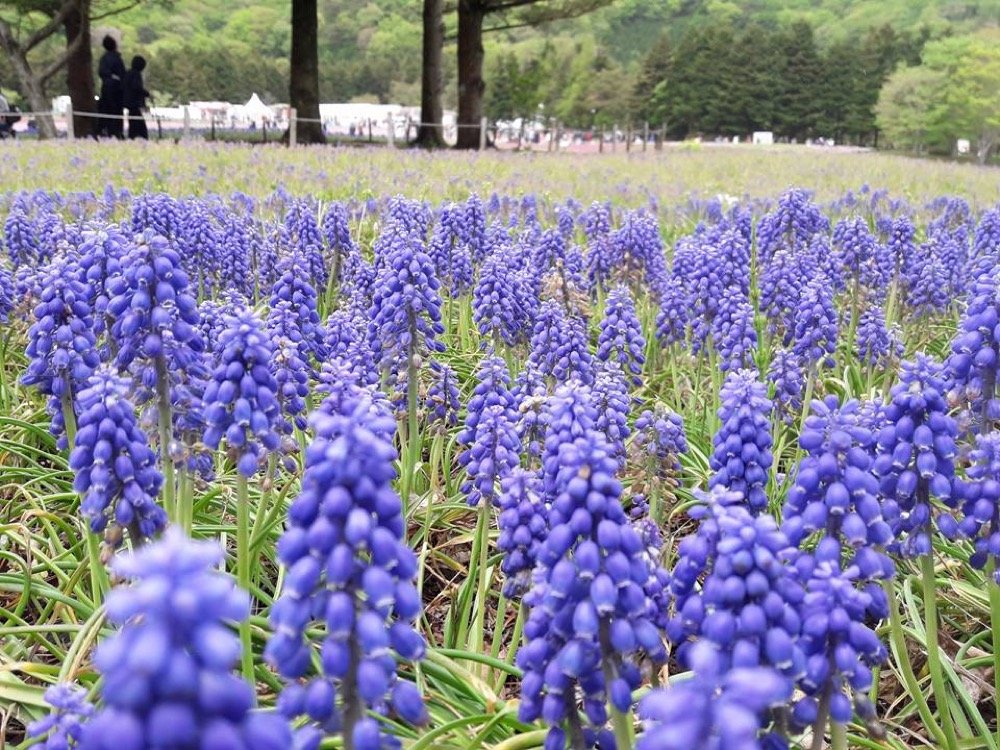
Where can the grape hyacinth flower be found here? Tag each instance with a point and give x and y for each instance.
(672, 319)
(874, 343)
(61, 351)
(734, 586)
(530, 397)
(786, 375)
(568, 414)
(156, 327)
(620, 339)
(293, 286)
(7, 294)
(741, 456)
(347, 564)
(657, 443)
(589, 616)
(975, 355)
(559, 345)
(523, 525)
(442, 397)
(840, 647)
(733, 332)
(167, 672)
(492, 445)
(835, 492)
(115, 469)
(289, 365)
(495, 300)
(405, 321)
(717, 709)
(815, 330)
(62, 729)
(916, 455)
(240, 400)
(978, 500)
(611, 403)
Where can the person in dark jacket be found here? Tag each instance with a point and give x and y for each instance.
(111, 71)
(135, 99)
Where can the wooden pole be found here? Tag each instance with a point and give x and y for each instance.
(645, 135)
(614, 137)
(483, 124)
(293, 127)
(600, 143)
(70, 132)
(186, 133)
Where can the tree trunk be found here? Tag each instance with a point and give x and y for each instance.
(430, 133)
(31, 85)
(303, 91)
(470, 72)
(983, 148)
(80, 70)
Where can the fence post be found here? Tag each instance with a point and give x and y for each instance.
(600, 143)
(369, 130)
(483, 123)
(211, 127)
(187, 123)
(293, 127)
(70, 125)
(645, 135)
(390, 131)
(159, 128)
(628, 137)
(614, 136)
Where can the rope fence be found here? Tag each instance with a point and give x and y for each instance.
(551, 137)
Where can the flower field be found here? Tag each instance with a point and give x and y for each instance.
(360, 450)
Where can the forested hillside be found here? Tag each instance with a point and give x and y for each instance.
(582, 69)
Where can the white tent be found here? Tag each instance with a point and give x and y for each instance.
(254, 111)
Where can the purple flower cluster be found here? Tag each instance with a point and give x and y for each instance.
(559, 345)
(167, 672)
(620, 339)
(589, 616)
(916, 455)
(493, 447)
(348, 565)
(240, 399)
(115, 469)
(741, 456)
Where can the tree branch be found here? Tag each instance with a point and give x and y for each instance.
(116, 11)
(51, 27)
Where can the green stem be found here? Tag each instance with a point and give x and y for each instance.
(164, 426)
(995, 630)
(933, 651)
(185, 499)
(621, 721)
(838, 736)
(243, 569)
(412, 433)
(98, 574)
(482, 590)
(902, 658)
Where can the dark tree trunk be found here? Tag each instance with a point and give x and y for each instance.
(470, 72)
(303, 91)
(430, 134)
(80, 69)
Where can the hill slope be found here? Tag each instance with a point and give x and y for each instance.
(371, 48)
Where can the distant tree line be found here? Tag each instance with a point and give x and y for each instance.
(722, 81)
